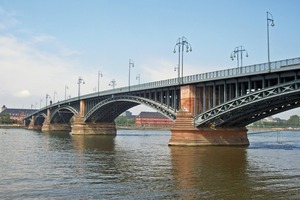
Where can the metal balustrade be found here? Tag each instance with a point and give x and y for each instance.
(220, 74)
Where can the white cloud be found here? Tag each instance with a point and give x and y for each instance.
(7, 19)
(23, 93)
(39, 63)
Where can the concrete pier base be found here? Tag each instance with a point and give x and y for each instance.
(34, 127)
(56, 127)
(89, 128)
(185, 134)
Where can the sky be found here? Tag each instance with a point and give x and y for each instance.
(47, 45)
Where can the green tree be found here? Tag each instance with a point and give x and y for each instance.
(121, 120)
(5, 119)
(293, 121)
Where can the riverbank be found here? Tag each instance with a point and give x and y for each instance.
(252, 129)
(164, 128)
(7, 126)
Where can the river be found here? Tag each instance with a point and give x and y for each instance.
(140, 165)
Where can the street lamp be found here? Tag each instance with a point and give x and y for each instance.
(41, 100)
(66, 87)
(47, 96)
(238, 53)
(176, 68)
(269, 19)
(181, 43)
(54, 96)
(113, 83)
(138, 77)
(99, 75)
(80, 80)
(131, 64)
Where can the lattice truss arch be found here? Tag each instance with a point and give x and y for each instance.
(254, 106)
(39, 119)
(108, 109)
(63, 114)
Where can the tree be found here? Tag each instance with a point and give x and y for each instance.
(5, 119)
(293, 121)
(123, 121)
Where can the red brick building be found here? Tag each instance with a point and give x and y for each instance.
(16, 113)
(154, 119)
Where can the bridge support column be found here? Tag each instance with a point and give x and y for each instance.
(56, 127)
(48, 127)
(31, 125)
(89, 128)
(80, 127)
(185, 134)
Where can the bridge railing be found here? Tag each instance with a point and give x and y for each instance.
(220, 74)
(258, 68)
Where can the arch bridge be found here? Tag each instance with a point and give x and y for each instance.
(211, 108)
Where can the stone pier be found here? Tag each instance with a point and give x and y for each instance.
(185, 134)
(80, 127)
(89, 128)
(47, 127)
(33, 126)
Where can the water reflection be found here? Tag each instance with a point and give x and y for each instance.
(210, 172)
(139, 165)
(93, 142)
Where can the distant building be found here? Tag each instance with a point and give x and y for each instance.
(128, 114)
(152, 119)
(271, 119)
(16, 113)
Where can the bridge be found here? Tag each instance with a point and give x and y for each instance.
(211, 108)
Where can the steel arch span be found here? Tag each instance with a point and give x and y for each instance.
(63, 114)
(40, 118)
(252, 107)
(109, 109)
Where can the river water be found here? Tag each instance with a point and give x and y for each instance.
(140, 165)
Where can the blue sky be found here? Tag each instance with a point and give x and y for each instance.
(45, 45)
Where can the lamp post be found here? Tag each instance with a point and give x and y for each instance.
(181, 43)
(99, 75)
(47, 96)
(131, 64)
(66, 87)
(269, 19)
(176, 68)
(41, 100)
(138, 77)
(80, 80)
(55, 93)
(113, 83)
(238, 53)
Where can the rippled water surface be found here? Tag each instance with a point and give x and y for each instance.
(140, 165)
